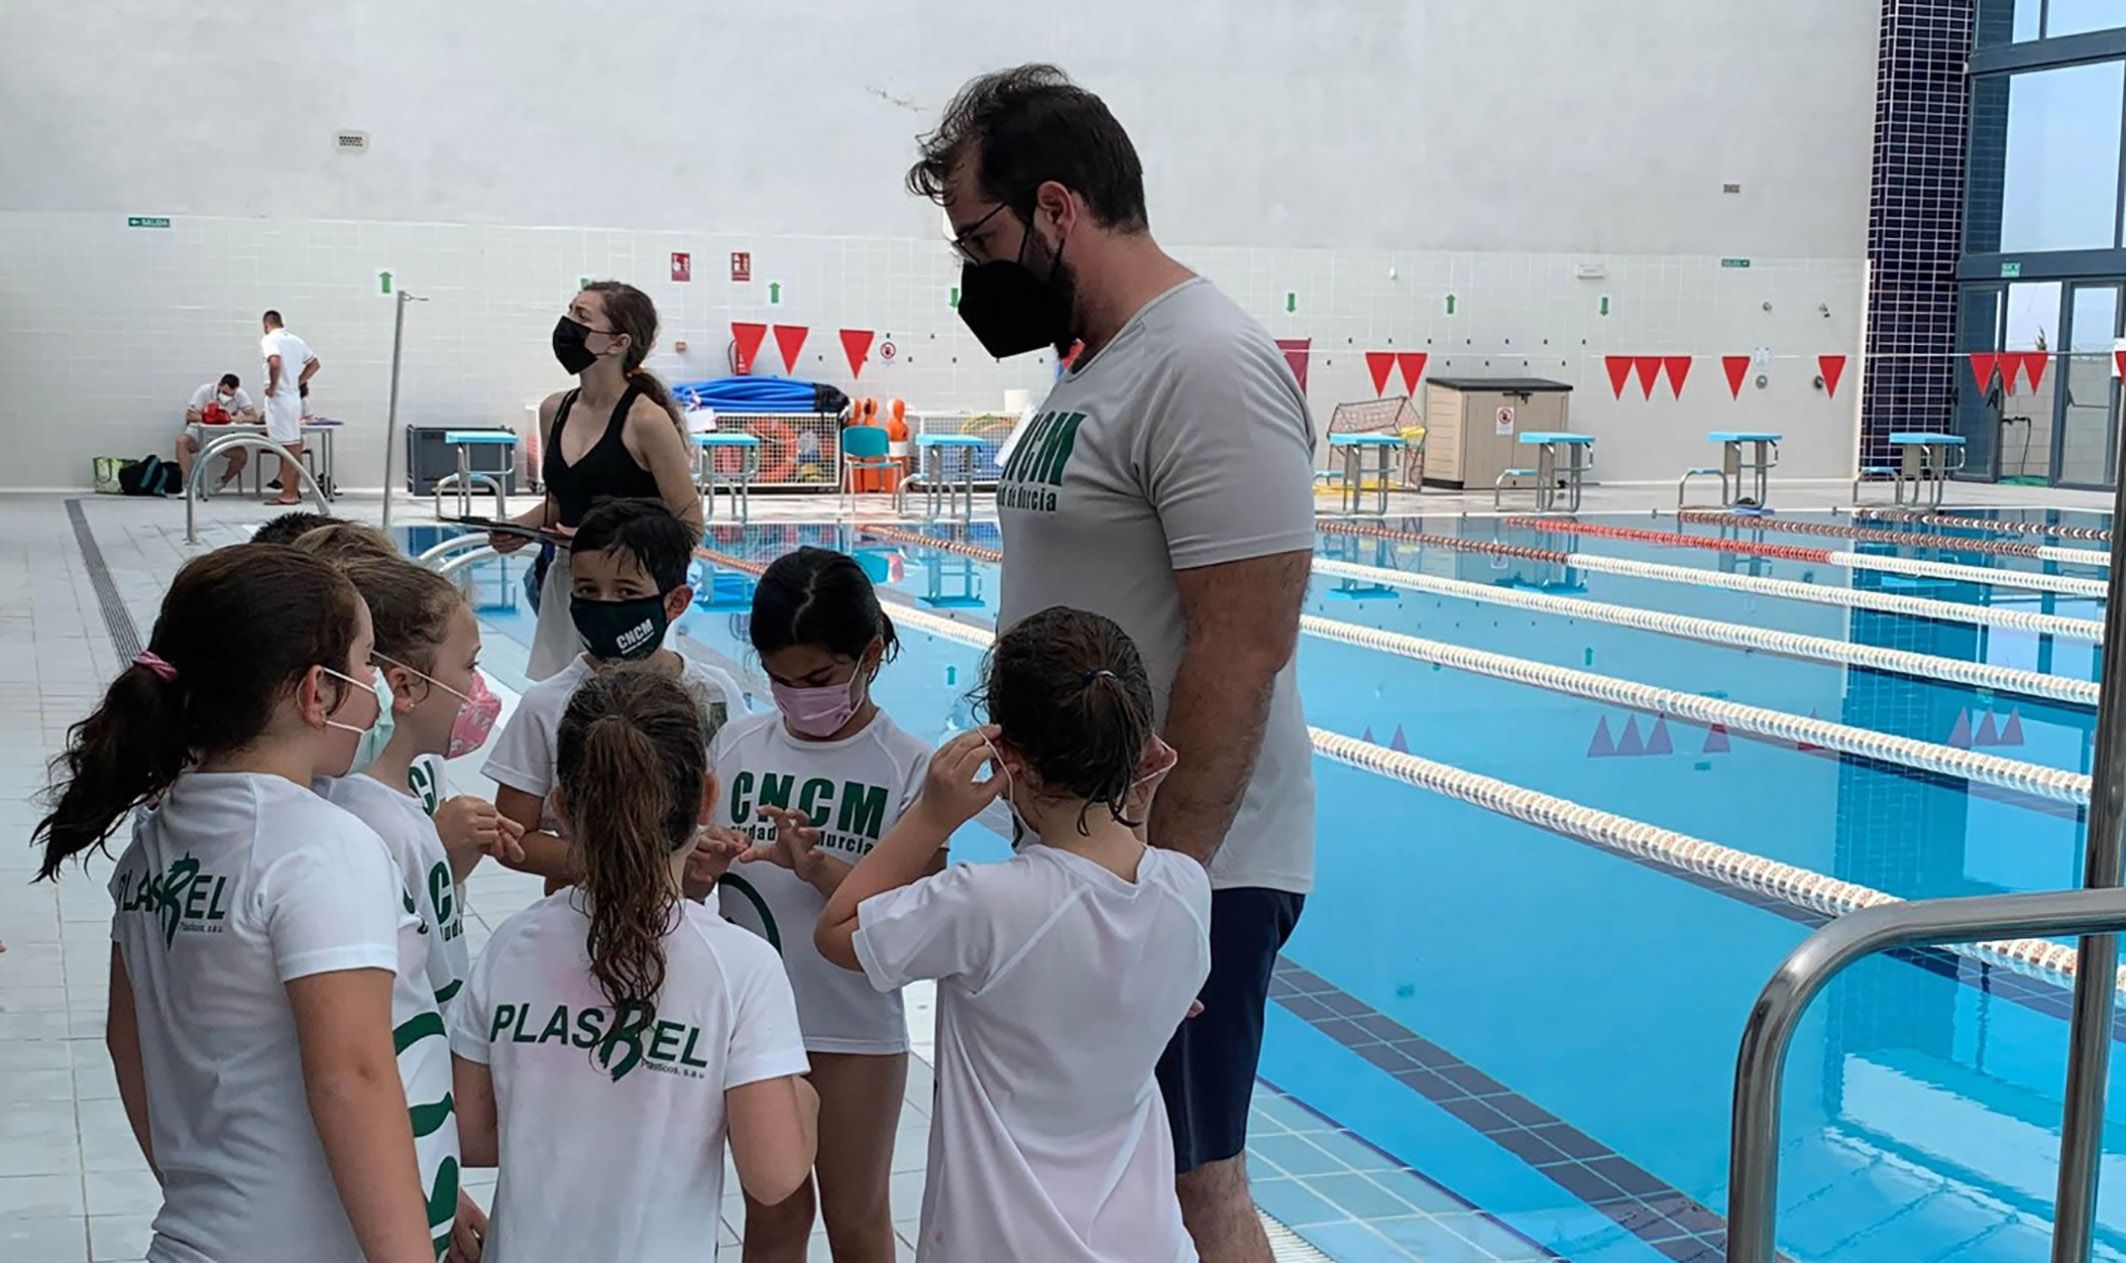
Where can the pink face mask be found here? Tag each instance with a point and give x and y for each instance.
(476, 719)
(477, 710)
(816, 712)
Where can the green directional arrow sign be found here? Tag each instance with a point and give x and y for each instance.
(774, 293)
(1291, 300)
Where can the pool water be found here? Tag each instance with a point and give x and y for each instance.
(1490, 1041)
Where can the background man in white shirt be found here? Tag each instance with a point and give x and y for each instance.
(235, 406)
(1167, 483)
(289, 366)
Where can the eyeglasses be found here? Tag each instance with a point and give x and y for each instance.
(959, 243)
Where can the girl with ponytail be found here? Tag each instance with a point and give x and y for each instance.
(618, 1009)
(263, 965)
(619, 433)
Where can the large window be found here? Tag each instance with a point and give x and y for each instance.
(2045, 159)
(2017, 21)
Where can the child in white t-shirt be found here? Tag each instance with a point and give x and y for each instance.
(614, 1033)
(264, 964)
(1062, 972)
(628, 583)
(838, 770)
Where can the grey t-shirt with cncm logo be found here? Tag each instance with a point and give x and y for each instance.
(1184, 443)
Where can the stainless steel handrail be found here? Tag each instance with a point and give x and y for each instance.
(451, 565)
(455, 544)
(249, 443)
(1753, 1146)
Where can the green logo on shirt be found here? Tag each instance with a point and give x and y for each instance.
(851, 816)
(1036, 467)
(186, 898)
(665, 1047)
(424, 786)
(443, 898)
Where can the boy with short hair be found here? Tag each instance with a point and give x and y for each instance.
(628, 583)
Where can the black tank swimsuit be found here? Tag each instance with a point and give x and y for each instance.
(605, 470)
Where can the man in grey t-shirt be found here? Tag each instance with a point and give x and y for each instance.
(1166, 483)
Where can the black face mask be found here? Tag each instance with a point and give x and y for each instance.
(571, 346)
(1010, 310)
(620, 631)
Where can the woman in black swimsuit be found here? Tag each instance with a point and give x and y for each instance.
(618, 433)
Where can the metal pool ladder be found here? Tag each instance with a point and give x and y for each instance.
(2094, 914)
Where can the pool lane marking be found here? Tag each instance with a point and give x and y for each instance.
(2003, 526)
(1735, 635)
(1636, 838)
(2089, 557)
(1983, 675)
(2033, 779)
(2088, 629)
(2062, 585)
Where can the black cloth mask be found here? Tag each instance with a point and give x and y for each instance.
(1011, 310)
(572, 346)
(620, 631)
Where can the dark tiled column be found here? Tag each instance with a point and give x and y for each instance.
(1915, 220)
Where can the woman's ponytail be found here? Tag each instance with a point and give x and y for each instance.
(631, 762)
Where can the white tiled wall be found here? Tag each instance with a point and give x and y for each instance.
(105, 329)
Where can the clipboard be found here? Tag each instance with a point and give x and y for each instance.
(537, 534)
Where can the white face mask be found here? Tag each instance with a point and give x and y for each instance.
(371, 689)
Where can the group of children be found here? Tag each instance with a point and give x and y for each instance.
(309, 1057)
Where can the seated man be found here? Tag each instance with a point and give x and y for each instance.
(216, 403)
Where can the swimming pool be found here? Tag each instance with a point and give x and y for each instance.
(1542, 1027)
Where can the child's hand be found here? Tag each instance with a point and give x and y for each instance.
(468, 823)
(715, 847)
(954, 791)
(796, 847)
(468, 1235)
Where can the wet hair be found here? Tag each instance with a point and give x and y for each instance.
(410, 606)
(341, 542)
(658, 539)
(631, 761)
(1028, 125)
(290, 527)
(229, 380)
(272, 318)
(816, 596)
(291, 611)
(1070, 693)
(631, 312)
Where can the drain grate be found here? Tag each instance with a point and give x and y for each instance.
(118, 620)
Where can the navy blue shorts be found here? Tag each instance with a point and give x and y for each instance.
(1207, 1073)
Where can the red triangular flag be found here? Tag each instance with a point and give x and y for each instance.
(1399, 743)
(2118, 363)
(748, 337)
(791, 339)
(1657, 742)
(1832, 367)
(1736, 367)
(1678, 367)
(856, 344)
(1295, 354)
(1603, 744)
(1648, 367)
(1619, 367)
(1982, 366)
(2012, 731)
(1070, 356)
(1380, 364)
(1716, 740)
(1987, 734)
(1631, 743)
(2034, 367)
(1960, 735)
(1412, 364)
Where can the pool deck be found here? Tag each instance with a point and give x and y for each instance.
(73, 1187)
